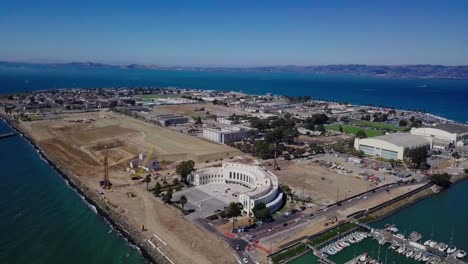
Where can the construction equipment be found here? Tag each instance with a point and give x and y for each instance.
(143, 168)
(106, 184)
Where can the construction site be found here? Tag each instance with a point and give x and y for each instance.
(121, 158)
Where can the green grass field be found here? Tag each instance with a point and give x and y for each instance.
(364, 123)
(354, 129)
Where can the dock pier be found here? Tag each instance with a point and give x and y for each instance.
(7, 135)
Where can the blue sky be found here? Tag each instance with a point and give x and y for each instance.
(235, 33)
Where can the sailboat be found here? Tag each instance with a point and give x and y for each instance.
(452, 248)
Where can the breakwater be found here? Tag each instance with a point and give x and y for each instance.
(94, 201)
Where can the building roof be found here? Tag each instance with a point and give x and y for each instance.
(453, 128)
(404, 139)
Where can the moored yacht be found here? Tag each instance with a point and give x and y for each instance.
(461, 254)
(451, 249)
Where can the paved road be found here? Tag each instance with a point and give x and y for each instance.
(304, 217)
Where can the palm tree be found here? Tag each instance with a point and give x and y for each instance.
(147, 180)
(183, 201)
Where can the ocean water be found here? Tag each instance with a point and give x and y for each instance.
(42, 220)
(447, 98)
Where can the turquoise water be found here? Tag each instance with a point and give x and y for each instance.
(42, 220)
(442, 97)
(435, 218)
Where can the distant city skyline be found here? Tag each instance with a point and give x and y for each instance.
(237, 34)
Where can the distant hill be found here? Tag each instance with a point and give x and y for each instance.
(396, 71)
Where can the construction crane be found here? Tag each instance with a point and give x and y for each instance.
(106, 184)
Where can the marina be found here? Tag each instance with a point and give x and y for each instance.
(411, 247)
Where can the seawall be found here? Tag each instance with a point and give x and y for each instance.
(117, 221)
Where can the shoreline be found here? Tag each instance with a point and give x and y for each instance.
(117, 222)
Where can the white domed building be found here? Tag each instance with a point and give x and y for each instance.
(261, 186)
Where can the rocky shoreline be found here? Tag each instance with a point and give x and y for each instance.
(118, 222)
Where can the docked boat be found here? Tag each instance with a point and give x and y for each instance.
(364, 258)
(427, 242)
(418, 256)
(401, 249)
(442, 247)
(409, 254)
(451, 249)
(425, 257)
(432, 243)
(461, 254)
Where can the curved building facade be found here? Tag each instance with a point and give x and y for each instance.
(262, 185)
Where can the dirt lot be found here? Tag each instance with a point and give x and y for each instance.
(324, 140)
(189, 110)
(78, 141)
(308, 179)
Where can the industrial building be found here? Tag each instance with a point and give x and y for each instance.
(167, 119)
(443, 135)
(227, 135)
(261, 185)
(391, 146)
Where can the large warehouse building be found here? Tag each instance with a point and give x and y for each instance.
(391, 146)
(227, 135)
(261, 186)
(444, 134)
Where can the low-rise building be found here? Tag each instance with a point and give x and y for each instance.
(227, 135)
(443, 135)
(391, 146)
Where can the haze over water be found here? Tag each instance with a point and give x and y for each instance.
(42, 220)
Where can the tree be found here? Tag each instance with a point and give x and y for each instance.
(234, 209)
(341, 129)
(168, 196)
(455, 155)
(147, 180)
(183, 200)
(198, 120)
(287, 156)
(175, 181)
(157, 189)
(260, 211)
(442, 180)
(366, 117)
(403, 123)
(361, 134)
(417, 156)
(184, 169)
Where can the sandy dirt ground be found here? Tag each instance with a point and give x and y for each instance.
(191, 110)
(78, 141)
(324, 140)
(308, 179)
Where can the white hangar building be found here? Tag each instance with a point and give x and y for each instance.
(391, 146)
(443, 134)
